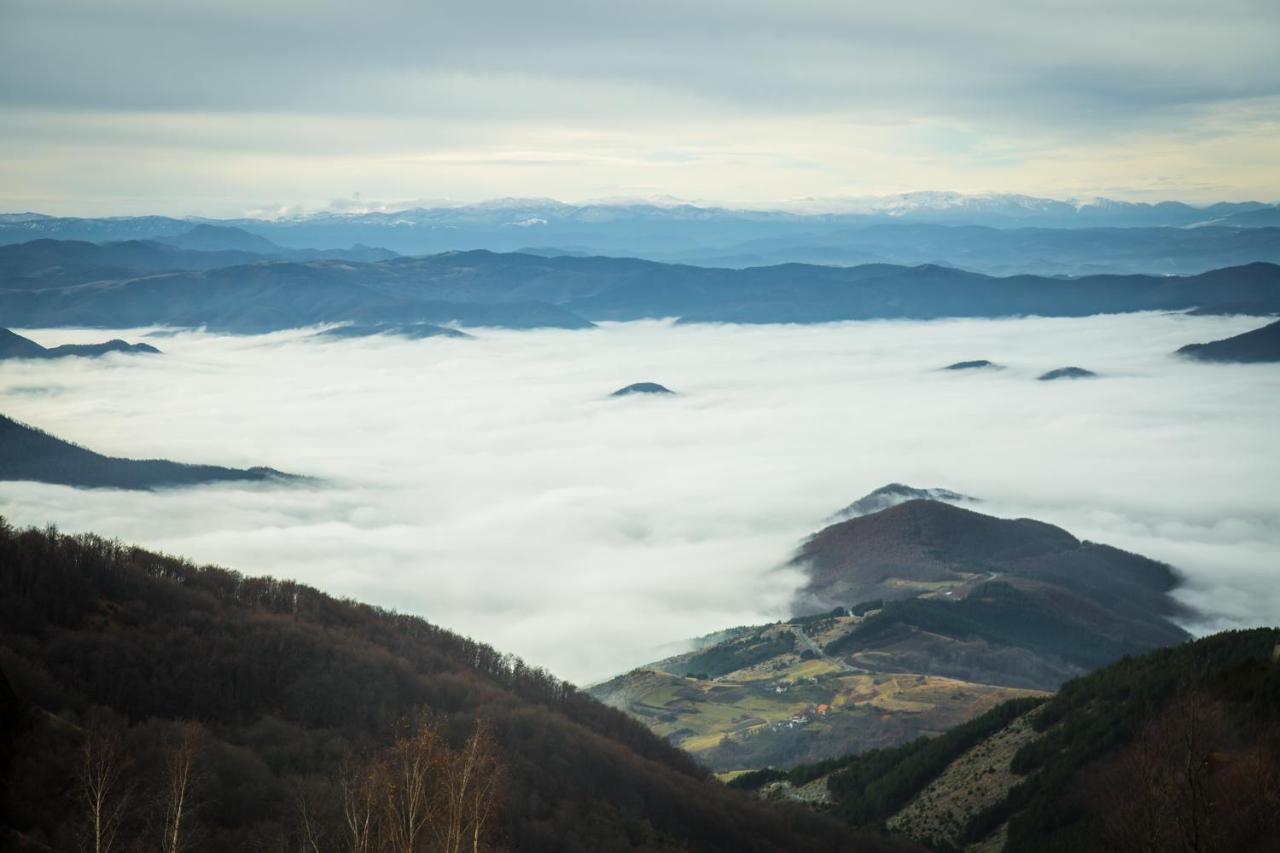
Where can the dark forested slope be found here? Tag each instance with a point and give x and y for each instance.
(1257, 345)
(13, 345)
(1178, 749)
(283, 681)
(27, 453)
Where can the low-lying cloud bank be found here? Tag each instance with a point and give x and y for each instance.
(491, 485)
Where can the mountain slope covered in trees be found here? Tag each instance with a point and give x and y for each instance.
(1178, 749)
(281, 690)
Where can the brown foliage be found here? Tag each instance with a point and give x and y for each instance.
(1184, 786)
(419, 795)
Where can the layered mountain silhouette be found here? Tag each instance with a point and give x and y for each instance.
(996, 234)
(479, 288)
(45, 263)
(27, 453)
(1259, 345)
(13, 345)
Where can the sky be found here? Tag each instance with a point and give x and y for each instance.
(250, 106)
(493, 487)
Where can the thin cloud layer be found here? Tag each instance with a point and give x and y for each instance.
(492, 487)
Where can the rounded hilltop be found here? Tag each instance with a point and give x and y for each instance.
(642, 388)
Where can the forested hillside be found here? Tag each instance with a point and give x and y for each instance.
(1178, 749)
(275, 706)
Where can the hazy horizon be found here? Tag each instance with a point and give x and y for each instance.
(801, 206)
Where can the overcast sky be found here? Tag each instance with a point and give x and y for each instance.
(220, 108)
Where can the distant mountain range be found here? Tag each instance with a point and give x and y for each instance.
(51, 263)
(916, 616)
(27, 453)
(481, 288)
(997, 234)
(1258, 345)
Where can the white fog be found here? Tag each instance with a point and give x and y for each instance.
(492, 486)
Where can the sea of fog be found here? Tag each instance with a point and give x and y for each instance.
(492, 486)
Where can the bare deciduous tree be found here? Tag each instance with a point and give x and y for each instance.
(177, 800)
(409, 779)
(104, 788)
(359, 791)
(472, 792)
(1159, 796)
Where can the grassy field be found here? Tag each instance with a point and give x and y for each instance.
(794, 700)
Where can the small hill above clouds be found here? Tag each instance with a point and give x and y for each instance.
(411, 331)
(639, 388)
(946, 571)
(27, 453)
(977, 364)
(899, 551)
(1259, 345)
(894, 494)
(1067, 373)
(15, 346)
(917, 616)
